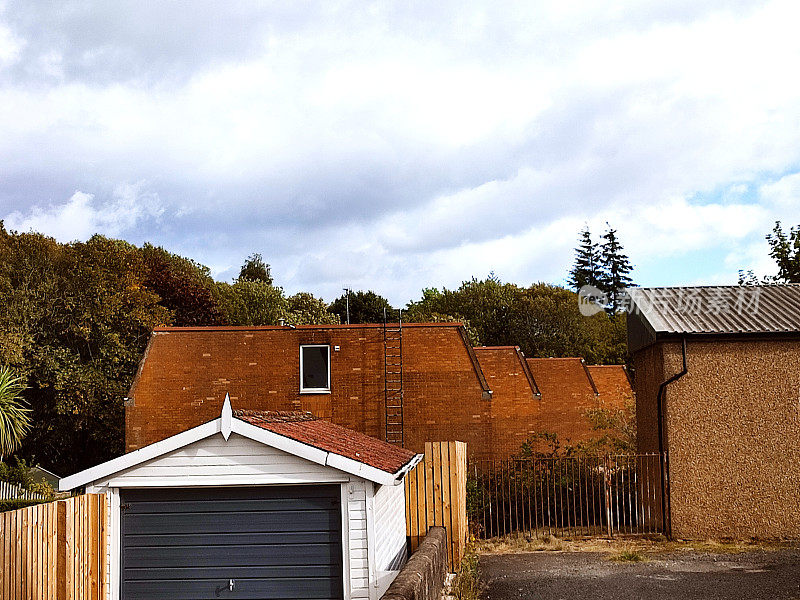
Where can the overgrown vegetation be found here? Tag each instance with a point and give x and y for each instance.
(467, 583)
(76, 318)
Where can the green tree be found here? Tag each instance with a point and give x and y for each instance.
(544, 320)
(784, 248)
(15, 420)
(365, 307)
(76, 320)
(304, 309)
(587, 268)
(616, 267)
(184, 286)
(251, 302)
(255, 269)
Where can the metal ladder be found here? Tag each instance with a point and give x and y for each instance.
(393, 378)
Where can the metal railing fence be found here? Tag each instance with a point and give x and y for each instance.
(569, 495)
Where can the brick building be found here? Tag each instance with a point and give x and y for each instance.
(487, 397)
(569, 388)
(717, 387)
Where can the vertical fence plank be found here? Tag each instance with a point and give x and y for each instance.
(436, 496)
(61, 549)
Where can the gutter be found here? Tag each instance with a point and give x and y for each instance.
(408, 467)
(666, 508)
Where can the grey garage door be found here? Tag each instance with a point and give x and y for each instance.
(269, 542)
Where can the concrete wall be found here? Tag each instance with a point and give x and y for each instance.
(733, 435)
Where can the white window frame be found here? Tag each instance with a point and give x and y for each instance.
(325, 390)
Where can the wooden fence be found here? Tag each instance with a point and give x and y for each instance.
(55, 551)
(436, 495)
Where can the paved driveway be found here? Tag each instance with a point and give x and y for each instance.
(773, 575)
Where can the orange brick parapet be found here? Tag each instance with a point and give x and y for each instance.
(569, 388)
(491, 398)
(186, 373)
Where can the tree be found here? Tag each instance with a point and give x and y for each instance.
(251, 302)
(185, 287)
(75, 322)
(304, 309)
(587, 267)
(544, 320)
(785, 251)
(255, 269)
(15, 420)
(616, 270)
(365, 307)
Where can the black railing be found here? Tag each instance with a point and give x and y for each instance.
(571, 495)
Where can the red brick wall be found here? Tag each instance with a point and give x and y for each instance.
(515, 406)
(186, 374)
(567, 393)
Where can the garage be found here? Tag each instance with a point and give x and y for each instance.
(254, 504)
(265, 542)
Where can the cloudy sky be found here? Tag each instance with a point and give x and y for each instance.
(396, 146)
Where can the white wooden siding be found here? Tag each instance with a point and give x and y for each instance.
(358, 550)
(216, 462)
(390, 533)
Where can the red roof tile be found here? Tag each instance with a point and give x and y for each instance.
(305, 428)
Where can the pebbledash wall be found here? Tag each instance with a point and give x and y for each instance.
(732, 429)
(487, 397)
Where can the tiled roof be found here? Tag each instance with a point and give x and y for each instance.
(305, 428)
(719, 309)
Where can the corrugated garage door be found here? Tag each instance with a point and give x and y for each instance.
(272, 542)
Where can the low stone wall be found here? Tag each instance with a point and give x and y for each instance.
(423, 576)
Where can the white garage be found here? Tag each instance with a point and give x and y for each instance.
(255, 505)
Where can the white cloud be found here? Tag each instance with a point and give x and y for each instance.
(402, 146)
(80, 217)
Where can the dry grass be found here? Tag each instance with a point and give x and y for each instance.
(515, 544)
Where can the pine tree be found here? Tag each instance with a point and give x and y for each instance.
(586, 270)
(616, 269)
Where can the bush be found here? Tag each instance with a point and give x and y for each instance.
(7, 505)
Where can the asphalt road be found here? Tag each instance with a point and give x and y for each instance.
(773, 575)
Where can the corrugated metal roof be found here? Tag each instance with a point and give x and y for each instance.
(719, 309)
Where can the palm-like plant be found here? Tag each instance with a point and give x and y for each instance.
(15, 420)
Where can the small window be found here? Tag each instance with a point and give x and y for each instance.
(315, 368)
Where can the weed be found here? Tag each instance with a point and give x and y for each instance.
(629, 556)
(467, 584)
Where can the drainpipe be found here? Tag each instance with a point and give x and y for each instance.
(663, 460)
